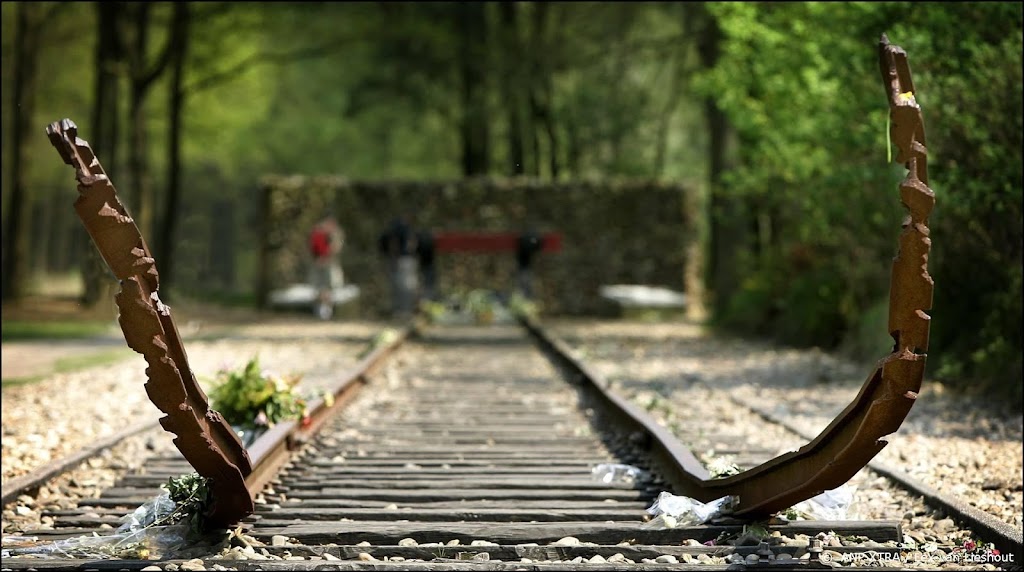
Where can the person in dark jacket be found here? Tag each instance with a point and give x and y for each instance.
(398, 245)
(528, 245)
(428, 272)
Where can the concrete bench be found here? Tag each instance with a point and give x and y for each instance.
(642, 301)
(303, 296)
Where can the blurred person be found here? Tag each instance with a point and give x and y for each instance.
(325, 242)
(528, 245)
(398, 245)
(428, 272)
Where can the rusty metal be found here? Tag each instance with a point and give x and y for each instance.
(988, 528)
(203, 437)
(857, 434)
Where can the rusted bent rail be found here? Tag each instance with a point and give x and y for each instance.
(827, 461)
(208, 443)
(858, 433)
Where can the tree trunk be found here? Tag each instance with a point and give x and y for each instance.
(142, 201)
(143, 76)
(729, 230)
(512, 86)
(42, 234)
(179, 50)
(541, 93)
(473, 61)
(554, 166)
(104, 133)
(61, 244)
(694, 269)
(574, 147)
(672, 103)
(17, 227)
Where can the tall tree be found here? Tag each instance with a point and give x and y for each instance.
(512, 82)
(178, 47)
(17, 226)
(473, 63)
(541, 91)
(728, 229)
(105, 129)
(143, 75)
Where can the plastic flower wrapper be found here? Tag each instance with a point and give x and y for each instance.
(610, 473)
(168, 523)
(829, 505)
(671, 510)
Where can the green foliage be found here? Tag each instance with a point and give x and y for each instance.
(36, 330)
(971, 61)
(810, 113)
(800, 84)
(432, 310)
(251, 398)
(520, 305)
(383, 338)
(192, 499)
(374, 90)
(481, 304)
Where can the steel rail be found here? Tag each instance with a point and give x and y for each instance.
(267, 453)
(1006, 538)
(858, 433)
(203, 437)
(678, 465)
(272, 450)
(18, 486)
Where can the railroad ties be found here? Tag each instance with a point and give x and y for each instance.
(479, 440)
(469, 445)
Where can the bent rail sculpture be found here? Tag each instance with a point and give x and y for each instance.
(858, 433)
(826, 462)
(203, 437)
(854, 437)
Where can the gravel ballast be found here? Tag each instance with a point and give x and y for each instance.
(952, 443)
(958, 444)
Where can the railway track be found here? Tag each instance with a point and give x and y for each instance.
(477, 450)
(472, 449)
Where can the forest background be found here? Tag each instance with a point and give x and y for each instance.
(772, 113)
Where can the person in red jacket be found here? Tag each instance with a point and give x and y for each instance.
(325, 242)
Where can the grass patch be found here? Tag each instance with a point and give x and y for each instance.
(72, 363)
(13, 330)
(75, 363)
(15, 381)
